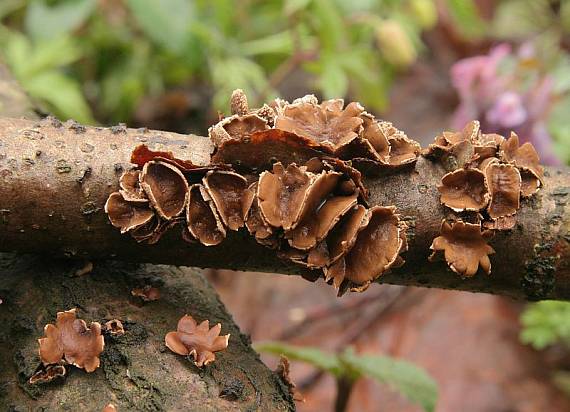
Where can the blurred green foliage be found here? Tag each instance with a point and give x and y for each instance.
(411, 381)
(98, 58)
(546, 323)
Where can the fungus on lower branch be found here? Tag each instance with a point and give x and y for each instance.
(196, 340)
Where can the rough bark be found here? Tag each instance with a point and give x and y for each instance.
(137, 371)
(56, 178)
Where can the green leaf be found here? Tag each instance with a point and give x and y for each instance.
(9, 6)
(332, 81)
(466, 17)
(280, 43)
(62, 94)
(546, 323)
(45, 22)
(411, 381)
(293, 6)
(322, 360)
(166, 22)
(521, 18)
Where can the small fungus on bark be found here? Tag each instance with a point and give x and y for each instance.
(282, 194)
(109, 408)
(264, 148)
(376, 249)
(284, 371)
(202, 218)
(236, 127)
(114, 327)
(130, 187)
(70, 340)
(465, 247)
(526, 159)
(504, 182)
(47, 374)
(230, 194)
(196, 340)
(146, 293)
(464, 190)
(238, 103)
(125, 215)
(263, 233)
(166, 188)
(316, 225)
(327, 124)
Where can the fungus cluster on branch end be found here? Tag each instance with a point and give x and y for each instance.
(487, 177)
(297, 196)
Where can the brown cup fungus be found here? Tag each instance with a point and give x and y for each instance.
(196, 340)
(230, 194)
(464, 190)
(71, 341)
(464, 246)
(126, 215)
(489, 174)
(376, 249)
(295, 132)
(166, 188)
(202, 218)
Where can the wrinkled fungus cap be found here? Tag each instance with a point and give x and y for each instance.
(130, 187)
(265, 148)
(166, 188)
(126, 215)
(202, 219)
(282, 194)
(327, 124)
(229, 192)
(465, 247)
(196, 340)
(504, 182)
(71, 340)
(375, 250)
(316, 225)
(236, 127)
(464, 190)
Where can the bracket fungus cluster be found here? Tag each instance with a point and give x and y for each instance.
(487, 177)
(70, 341)
(295, 132)
(196, 340)
(285, 173)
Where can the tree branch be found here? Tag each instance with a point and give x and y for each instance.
(55, 179)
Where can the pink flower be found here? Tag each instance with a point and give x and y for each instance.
(508, 111)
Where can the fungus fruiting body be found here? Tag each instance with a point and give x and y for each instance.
(47, 374)
(464, 190)
(71, 341)
(464, 246)
(290, 175)
(197, 340)
(125, 215)
(375, 250)
(487, 174)
(166, 188)
(202, 218)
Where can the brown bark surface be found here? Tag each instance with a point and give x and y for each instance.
(54, 180)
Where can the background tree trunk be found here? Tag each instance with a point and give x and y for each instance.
(137, 371)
